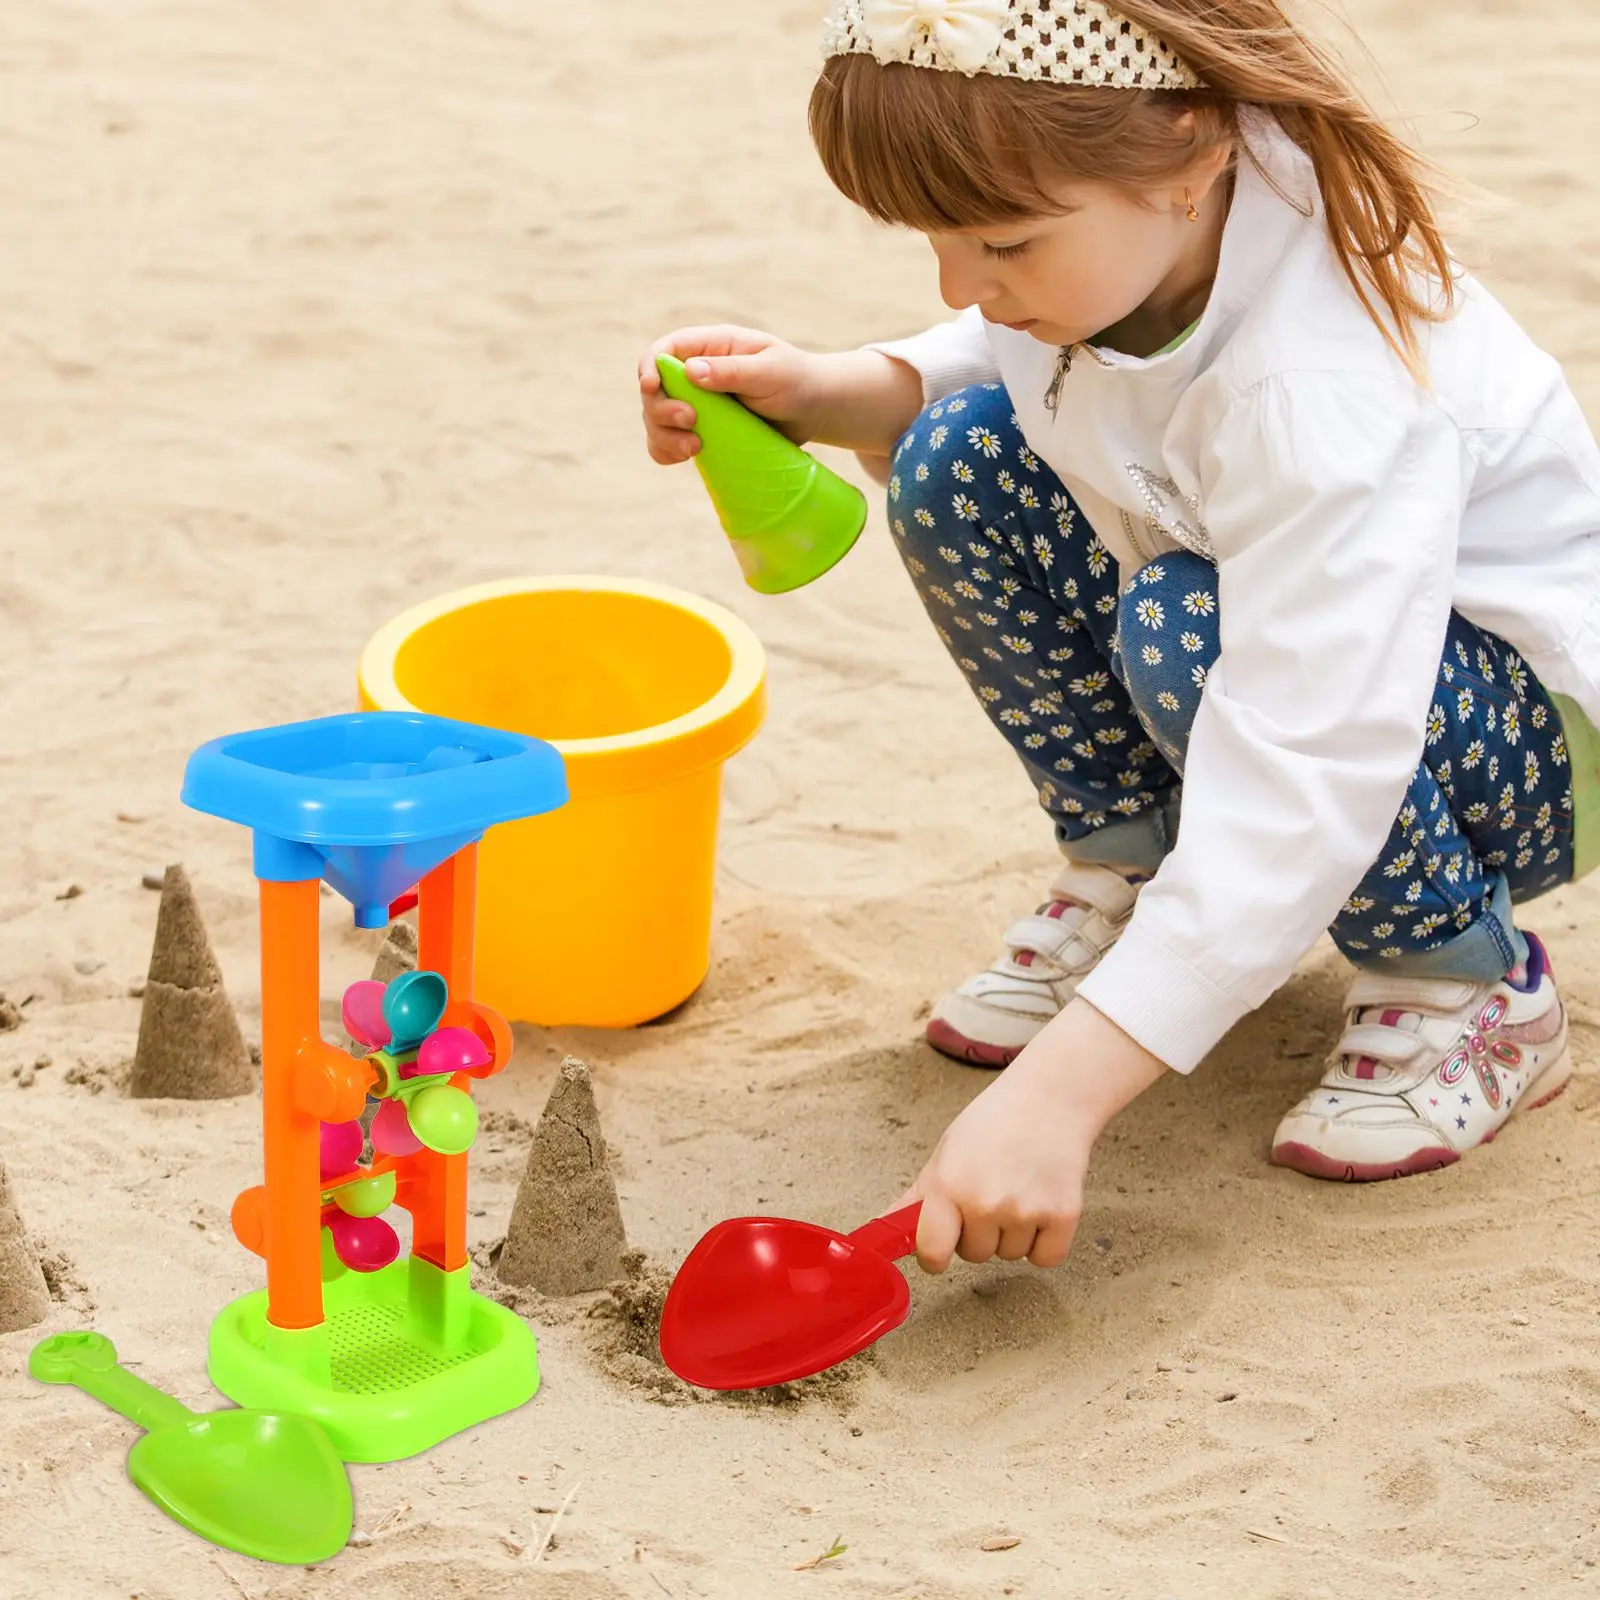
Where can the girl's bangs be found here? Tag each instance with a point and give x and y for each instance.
(933, 151)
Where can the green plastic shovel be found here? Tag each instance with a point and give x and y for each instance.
(788, 518)
(264, 1483)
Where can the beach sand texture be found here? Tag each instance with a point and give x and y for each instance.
(312, 312)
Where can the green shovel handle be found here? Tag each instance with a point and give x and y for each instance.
(88, 1361)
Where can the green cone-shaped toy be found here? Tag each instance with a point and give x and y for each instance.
(787, 516)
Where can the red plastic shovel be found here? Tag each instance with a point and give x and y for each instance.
(763, 1300)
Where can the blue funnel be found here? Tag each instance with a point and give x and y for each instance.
(371, 801)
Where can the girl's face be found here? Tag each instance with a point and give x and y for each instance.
(1105, 256)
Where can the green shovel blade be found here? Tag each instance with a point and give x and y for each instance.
(265, 1483)
(788, 518)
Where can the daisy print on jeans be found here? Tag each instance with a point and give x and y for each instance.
(1036, 601)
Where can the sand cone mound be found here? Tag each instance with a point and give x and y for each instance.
(24, 1299)
(566, 1232)
(190, 1047)
(397, 954)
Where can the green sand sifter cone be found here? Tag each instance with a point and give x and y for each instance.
(787, 516)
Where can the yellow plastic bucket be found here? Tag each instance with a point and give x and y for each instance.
(600, 913)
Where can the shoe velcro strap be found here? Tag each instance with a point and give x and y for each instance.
(1097, 887)
(1436, 997)
(1053, 939)
(1392, 1045)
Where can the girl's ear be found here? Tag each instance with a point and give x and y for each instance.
(1203, 175)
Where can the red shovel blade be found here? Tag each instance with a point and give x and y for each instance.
(762, 1300)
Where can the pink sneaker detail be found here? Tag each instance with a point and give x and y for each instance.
(1054, 911)
(1366, 1067)
(994, 1016)
(958, 1047)
(1428, 1069)
(1315, 1163)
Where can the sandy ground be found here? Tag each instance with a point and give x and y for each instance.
(313, 311)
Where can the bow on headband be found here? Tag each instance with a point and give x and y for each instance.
(966, 32)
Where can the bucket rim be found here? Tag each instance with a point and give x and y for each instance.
(734, 712)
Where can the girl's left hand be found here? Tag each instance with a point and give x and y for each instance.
(1007, 1177)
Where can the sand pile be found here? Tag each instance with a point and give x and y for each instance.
(628, 1339)
(628, 1328)
(24, 1296)
(190, 1047)
(397, 954)
(566, 1234)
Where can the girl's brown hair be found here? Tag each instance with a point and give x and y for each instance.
(938, 151)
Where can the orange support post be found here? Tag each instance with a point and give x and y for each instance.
(290, 987)
(304, 1081)
(447, 904)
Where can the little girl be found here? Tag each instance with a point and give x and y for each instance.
(1267, 540)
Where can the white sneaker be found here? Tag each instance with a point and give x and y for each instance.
(991, 1017)
(1428, 1069)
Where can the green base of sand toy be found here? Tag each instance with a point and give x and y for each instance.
(406, 1357)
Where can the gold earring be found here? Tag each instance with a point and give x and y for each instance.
(1188, 200)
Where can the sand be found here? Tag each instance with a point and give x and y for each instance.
(566, 1235)
(316, 311)
(397, 953)
(24, 1296)
(189, 1046)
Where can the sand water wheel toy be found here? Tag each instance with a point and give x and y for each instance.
(390, 1353)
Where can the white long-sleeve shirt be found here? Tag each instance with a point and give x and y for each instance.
(1348, 509)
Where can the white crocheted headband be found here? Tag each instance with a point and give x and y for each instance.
(1060, 41)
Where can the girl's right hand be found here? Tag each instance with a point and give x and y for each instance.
(771, 377)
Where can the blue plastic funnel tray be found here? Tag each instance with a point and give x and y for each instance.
(371, 801)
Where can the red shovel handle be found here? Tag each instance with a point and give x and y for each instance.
(892, 1236)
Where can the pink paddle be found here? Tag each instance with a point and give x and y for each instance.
(362, 1013)
(763, 1300)
(391, 1131)
(341, 1144)
(448, 1050)
(363, 1243)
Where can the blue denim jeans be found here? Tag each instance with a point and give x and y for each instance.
(1095, 683)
